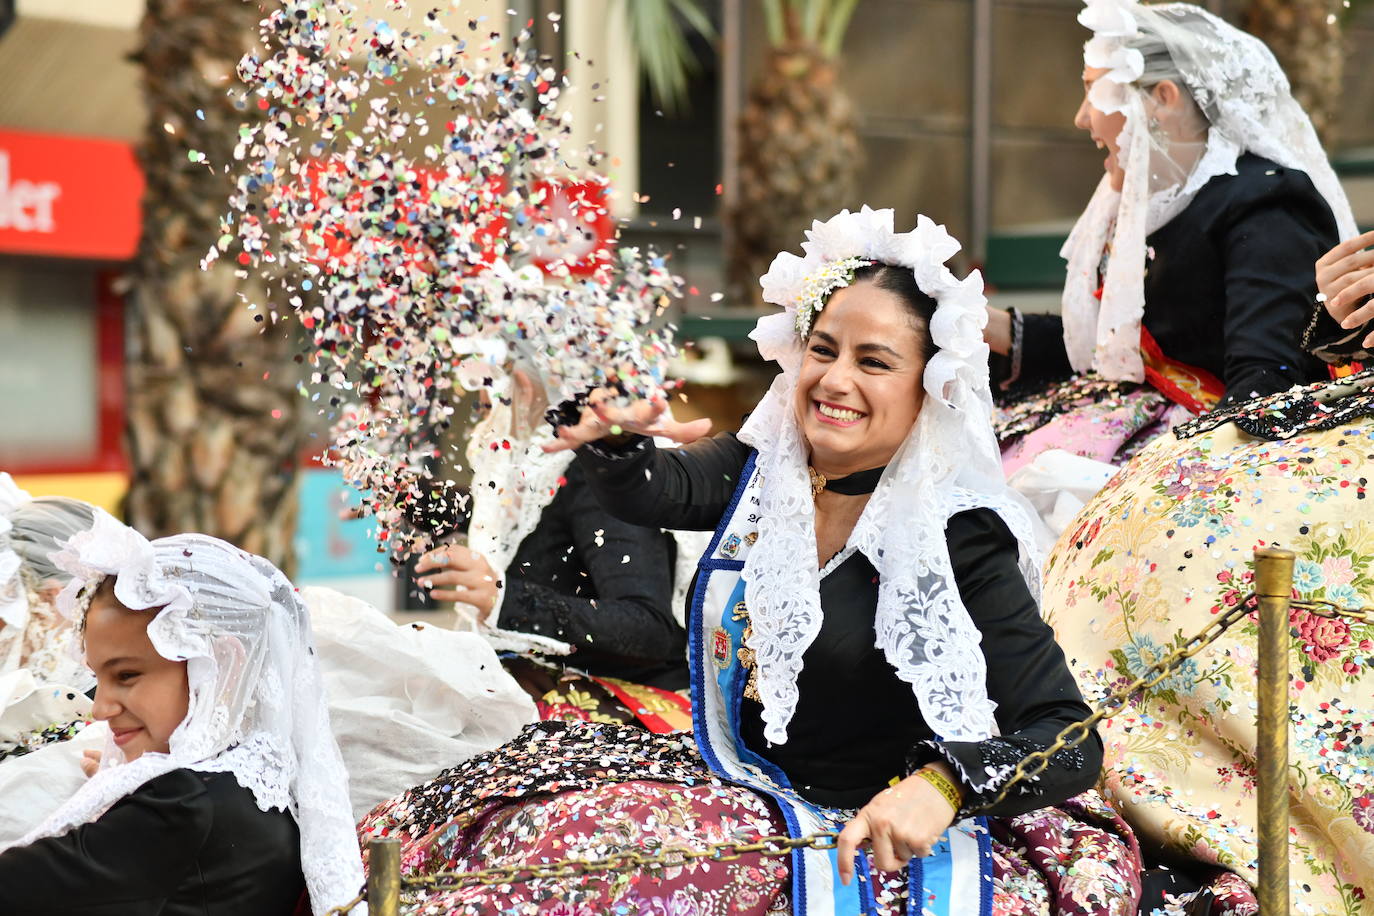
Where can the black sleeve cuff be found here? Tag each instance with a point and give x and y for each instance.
(985, 767)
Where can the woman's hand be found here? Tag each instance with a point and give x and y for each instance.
(899, 824)
(465, 575)
(997, 332)
(90, 762)
(1345, 276)
(602, 418)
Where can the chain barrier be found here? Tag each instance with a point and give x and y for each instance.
(668, 857)
(1323, 608)
(1028, 768)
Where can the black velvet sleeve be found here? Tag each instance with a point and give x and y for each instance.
(126, 863)
(687, 488)
(1271, 239)
(1028, 679)
(630, 569)
(1043, 357)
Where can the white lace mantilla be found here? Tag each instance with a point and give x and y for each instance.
(949, 463)
(1248, 106)
(257, 706)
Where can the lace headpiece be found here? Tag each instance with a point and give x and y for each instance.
(257, 706)
(14, 594)
(33, 634)
(948, 463)
(1244, 100)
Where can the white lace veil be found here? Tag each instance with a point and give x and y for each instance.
(257, 707)
(949, 463)
(33, 634)
(1239, 100)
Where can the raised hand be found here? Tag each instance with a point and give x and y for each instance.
(1345, 276)
(463, 575)
(605, 417)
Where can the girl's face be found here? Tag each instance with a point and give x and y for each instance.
(859, 389)
(142, 696)
(1105, 129)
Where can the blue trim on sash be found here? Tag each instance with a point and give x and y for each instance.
(729, 680)
(984, 866)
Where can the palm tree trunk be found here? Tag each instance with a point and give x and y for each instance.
(213, 421)
(1306, 37)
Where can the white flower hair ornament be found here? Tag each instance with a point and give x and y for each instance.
(1112, 23)
(835, 249)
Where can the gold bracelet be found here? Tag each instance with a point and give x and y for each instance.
(944, 785)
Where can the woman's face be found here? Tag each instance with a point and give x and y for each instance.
(142, 696)
(1105, 129)
(859, 390)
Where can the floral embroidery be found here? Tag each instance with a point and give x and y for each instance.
(1177, 759)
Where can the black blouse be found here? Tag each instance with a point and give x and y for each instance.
(1229, 286)
(183, 844)
(588, 578)
(857, 725)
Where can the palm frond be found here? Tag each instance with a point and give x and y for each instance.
(773, 15)
(836, 27)
(665, 57)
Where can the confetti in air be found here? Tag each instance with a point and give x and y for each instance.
(414, 193)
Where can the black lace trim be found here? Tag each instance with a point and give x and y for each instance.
(1032, 411)
(1320, 406)
(1341, 351)
(997, 757)
(545, 759)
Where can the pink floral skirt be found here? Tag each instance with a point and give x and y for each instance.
(563, 791)
(1087, 416)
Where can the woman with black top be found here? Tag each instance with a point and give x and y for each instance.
(546, 569)
(866, 651)
(1189, 279)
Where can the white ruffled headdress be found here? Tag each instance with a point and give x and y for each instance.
(1245, 97)
(257, 705)
(14, 593)
(949, 463)
(33, 635)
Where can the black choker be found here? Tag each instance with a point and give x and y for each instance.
(859, 483)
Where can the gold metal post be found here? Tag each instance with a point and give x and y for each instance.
(384, 876)
(1273, 588)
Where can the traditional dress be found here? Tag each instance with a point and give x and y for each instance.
(253, 761)
(1192, 286)
(921, 641)
(1151, 561)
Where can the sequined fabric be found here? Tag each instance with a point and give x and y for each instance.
(1311, 408)
(565, 790)
(1154, 558)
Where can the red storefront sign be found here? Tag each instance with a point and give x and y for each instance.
(70, 197)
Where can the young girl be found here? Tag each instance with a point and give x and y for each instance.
(221, 788)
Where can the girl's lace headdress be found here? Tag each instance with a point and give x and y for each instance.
(1243, 105)
(257, 706)
(949, 463)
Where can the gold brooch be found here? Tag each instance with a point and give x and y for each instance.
(817, 481)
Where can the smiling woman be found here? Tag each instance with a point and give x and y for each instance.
(866, 651)
(860, 385)
(141, 695)
(1189, 276)
(221, 780)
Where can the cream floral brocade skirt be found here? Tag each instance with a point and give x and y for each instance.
(1149, 562)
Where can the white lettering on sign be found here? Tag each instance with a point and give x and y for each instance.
(26, 206)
